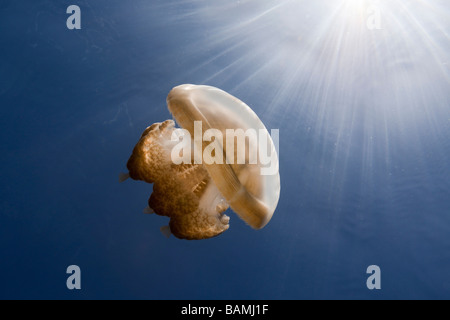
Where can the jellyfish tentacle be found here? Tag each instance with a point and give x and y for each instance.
(123, 176)
(148, 210)
(165, 230)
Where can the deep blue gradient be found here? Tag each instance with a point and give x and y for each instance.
(364, 119)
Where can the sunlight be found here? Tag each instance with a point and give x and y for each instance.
(348, 74)
(327, 62)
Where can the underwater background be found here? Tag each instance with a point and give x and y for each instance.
(360, 91)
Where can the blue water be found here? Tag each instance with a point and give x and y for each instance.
(364, 119)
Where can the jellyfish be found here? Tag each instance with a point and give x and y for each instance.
(195, 194)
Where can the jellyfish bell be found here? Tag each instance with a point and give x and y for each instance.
(251, 195)
(196, 194)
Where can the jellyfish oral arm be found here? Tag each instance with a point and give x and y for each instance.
(185, 193)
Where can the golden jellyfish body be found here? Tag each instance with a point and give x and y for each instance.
(196, 194)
